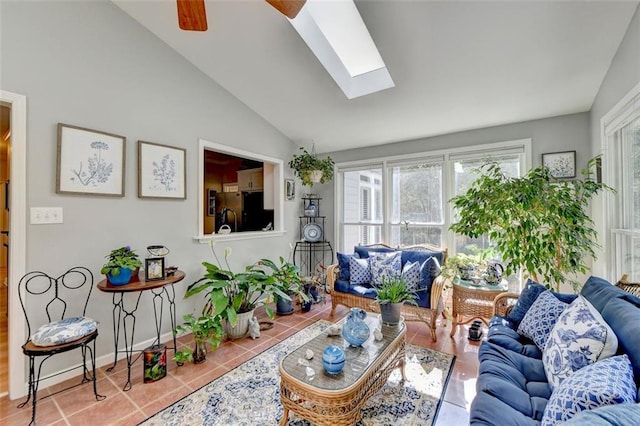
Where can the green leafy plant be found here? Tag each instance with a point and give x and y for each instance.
(286, 277)
(302, 165)
(123, 257)
(394, 290)
(228, 293)
(475, 260)
(206, 328)
(536, 222)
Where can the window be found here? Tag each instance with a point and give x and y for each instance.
(239, 190)
(622, 141)
(403, 200)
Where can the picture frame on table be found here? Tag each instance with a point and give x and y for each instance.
(162, 171)
(89, 162)
(154, 269)
(562, 165)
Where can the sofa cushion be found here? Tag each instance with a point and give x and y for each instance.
(364, 252)
(541, 317)
(579, 338)
(421, 255)
(359, 271)
(528, 295)
(358, 289)
(623, 316)
(609, 415)
(599, 291)
(385, 266)
(606, 382)
(502, 333)
(343, 264)
(411, 274)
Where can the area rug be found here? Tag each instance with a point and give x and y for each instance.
(250, 393)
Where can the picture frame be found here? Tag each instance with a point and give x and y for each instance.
(562, 165)
(290, 189)
(89, 162)
(162, 171)
(154, 269)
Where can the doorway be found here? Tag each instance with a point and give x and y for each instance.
(5, 173)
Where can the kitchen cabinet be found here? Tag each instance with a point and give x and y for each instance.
(250, 180)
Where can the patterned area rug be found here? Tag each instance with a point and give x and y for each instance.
(250, 393)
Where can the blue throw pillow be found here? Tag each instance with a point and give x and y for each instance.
(364, 252)
(606, 382)
(384, 266)
(429, 269)
(411, 274)
(360, 272)
(540, 318)
(343, 265)
(529, 295)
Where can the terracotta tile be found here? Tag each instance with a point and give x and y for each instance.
(165, 399)
(107, 412)
(46, 413)
(207, 377)
(142, 393)
(130, 420)
(81, 397)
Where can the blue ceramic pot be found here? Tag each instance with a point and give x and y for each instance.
(355, 330)
(122, 278)
(333, 359)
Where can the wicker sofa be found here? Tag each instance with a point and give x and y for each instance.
(430, 303)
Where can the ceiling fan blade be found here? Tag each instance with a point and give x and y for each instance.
(192, 15)
(289, 8)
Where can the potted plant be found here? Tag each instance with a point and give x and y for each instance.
(287, 284)
(311, 169)
(121, 264)
(391, 295)
(234, 296)
(205, 329)
(536, 222)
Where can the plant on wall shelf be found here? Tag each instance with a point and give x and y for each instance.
(536, 222)
(305, 164)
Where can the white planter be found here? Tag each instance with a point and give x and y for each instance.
(241, 328)
(315, 176)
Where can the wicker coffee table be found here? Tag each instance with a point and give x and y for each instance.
(326, 399)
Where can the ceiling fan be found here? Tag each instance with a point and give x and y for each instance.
(192, 15)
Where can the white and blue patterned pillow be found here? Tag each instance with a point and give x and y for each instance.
(359, 271)
(540, 318)
(411, 274)
(579, 338)
(384, 266)
(64, 331)
(606, 382)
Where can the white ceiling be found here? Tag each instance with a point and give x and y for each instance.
(457, 65)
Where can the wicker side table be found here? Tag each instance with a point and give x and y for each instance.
(470, 302)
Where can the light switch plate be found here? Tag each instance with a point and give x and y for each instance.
(45, 215)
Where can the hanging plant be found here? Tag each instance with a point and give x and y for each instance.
(306, 163)
(536, 222)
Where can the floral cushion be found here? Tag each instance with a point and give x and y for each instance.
(384, 266)
(359, 271)
(411, 274)
(64, 331)
(579, 338)
(540, 318)
(606, 382)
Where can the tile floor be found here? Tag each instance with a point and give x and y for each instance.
(79, 407)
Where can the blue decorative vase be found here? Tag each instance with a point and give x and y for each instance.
(355, 330)
(333, 359)
(122, 278)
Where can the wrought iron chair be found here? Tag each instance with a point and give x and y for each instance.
(59, 305)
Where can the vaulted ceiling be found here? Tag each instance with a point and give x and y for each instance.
(457, 65)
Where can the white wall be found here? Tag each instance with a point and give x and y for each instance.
(622, 76)
(91, 65)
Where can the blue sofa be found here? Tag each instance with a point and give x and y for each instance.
(362, 295)
(512, 386)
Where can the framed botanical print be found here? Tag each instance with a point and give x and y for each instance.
(560, 164)
(90, 162)
(161, 171)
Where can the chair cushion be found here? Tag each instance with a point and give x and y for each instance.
(385, 266)
(579, 338)
(411, 274)
(63, 331)
(541, 317)
(343, 265)
(359, 270)
(606, 382)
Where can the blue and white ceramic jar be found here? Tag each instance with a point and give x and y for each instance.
(355, 330)
(333, 359)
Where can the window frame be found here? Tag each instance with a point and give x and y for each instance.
(523, 146)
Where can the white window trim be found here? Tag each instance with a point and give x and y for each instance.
(443, 155)
(278, 214)
(620, 115)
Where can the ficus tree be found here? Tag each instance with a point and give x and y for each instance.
(536, 222)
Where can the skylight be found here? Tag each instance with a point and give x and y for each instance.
(337, 35)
